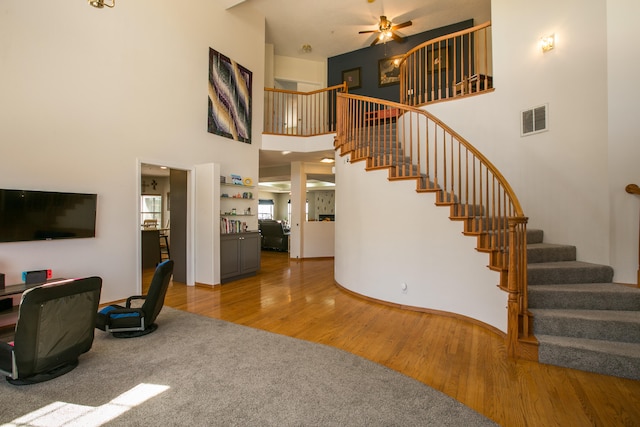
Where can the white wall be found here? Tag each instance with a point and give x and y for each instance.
(87, 94)
(301, 71)
(561, 176)
(319, 239)
(387, 234)
(623, 62)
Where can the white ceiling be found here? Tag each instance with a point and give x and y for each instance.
(331, 26)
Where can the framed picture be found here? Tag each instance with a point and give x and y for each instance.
(437, 59)
(229, 98)
(352, 77)
(389, 71)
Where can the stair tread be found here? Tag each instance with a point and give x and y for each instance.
(547, 246)
(588, 287)
(610, 347)
(566, 264)
(585, 314)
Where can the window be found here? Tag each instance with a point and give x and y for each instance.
(151, 208)
(265, 209)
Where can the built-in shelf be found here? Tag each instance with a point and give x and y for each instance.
(225, 184)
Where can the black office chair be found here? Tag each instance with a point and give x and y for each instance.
(127, 321)
(55, 326)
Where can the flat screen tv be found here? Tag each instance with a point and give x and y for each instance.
(45, 215)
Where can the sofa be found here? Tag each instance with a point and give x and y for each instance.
(274, 236)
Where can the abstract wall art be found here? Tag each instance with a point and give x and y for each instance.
(229, 98)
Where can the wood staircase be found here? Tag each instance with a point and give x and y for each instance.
(381, 145)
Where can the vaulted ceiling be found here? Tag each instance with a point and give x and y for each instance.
(331, 27)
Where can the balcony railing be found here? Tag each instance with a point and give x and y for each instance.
(301, 113)
(457, 64)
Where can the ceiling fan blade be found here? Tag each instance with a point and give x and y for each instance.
(368, 31)
(404, 24)
(397, 38)
(375, 41)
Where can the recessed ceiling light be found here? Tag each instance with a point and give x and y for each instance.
(327, 160)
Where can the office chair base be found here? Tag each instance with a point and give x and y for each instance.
(132, 334)
(39, 378)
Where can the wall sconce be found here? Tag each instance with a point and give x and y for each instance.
(100, 3)
(547, 43)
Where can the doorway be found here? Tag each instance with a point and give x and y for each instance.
(163, 217)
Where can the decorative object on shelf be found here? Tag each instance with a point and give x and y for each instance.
(223, 179)
(247, 181)
(236, 179)
(229, 98)
(230, 226)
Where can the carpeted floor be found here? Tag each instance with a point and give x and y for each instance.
(219, 373)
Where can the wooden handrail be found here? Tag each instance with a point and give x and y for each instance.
(457, 64)
(341, 87)
(413, 144)
(295, 113)
(447, 37)
(634, 189)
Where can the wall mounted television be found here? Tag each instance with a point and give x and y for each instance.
(46, 215)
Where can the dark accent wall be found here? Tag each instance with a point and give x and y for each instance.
(368, 57)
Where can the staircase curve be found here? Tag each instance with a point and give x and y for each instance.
(412, 144)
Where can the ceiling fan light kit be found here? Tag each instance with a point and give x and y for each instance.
(387, 31)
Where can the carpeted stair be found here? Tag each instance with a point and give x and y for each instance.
(581, 319)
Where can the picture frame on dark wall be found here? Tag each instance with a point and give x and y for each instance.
(229, 112)
(389, 71)
(352, 78)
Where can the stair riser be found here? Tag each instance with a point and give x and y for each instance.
(557, 276)
(535, 236)
(608, 330)
(564, 253)
(583, 300)
(590, 361)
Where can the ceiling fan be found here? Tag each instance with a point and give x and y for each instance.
(387, 31)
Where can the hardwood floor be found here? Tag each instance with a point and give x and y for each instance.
(300, 299)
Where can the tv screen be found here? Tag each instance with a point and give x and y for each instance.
(45, 215)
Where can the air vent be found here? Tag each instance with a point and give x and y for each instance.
(535, 120)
